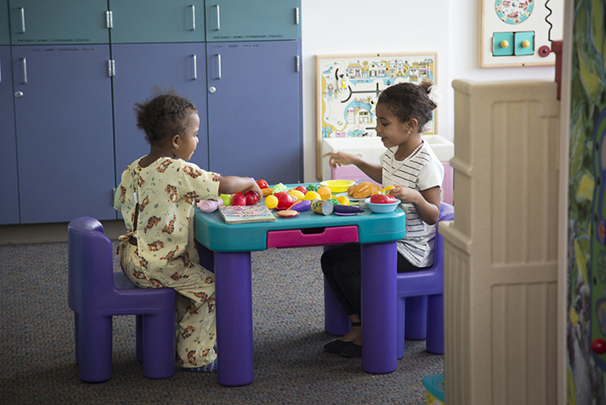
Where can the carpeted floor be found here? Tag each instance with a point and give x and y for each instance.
(37, 345)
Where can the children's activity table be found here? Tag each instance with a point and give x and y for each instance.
(231, 246)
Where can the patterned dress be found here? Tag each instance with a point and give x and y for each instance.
(158, 250)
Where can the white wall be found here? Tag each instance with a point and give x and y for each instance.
(362, 26)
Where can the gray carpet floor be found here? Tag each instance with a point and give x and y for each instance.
(37, 364)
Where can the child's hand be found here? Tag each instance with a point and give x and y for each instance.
(339, 159)
(255, 187)
(405, 194)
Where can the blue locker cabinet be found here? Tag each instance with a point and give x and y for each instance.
(63, 120)
(62, 22)
(9, 207)
(5, 34)
(138, 69)
(245, 20)
(254, 110)
(157, 21)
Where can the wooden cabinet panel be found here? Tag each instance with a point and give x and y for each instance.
(9, 212)
(254, 110)
(244, 20)
(157, 21)
(64, 132)
(140, 68)
(58, 22)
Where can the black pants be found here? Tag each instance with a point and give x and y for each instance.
(342, 267)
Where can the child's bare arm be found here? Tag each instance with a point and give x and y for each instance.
(235, 184)
(426, 202)
(374, 171)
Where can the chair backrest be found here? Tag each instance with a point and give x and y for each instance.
(90, 264)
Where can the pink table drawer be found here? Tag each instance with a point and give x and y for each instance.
(312, 237)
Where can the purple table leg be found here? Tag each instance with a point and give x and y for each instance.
(379, 310)
(234, 318)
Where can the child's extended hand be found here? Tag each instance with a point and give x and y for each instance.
(405, 194)
(340, 158)
(235, 184)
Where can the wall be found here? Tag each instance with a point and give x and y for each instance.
(359, 26)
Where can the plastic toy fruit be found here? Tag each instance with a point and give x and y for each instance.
(297, 194)
(382, 199)
(238, 199)
(285, 200)
(312, 195)
(226, 199)
(271, 201)
(267, 191)
(598, 346)
(302, 189)
(324, 192)
(343, 200)
(279, 187)
(251, 197)
(262, 184)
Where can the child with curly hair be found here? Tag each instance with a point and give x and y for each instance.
(157, 197)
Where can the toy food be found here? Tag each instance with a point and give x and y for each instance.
(209, 205)
(251, 197)
(312, 195)
(262, 184)
(288, 213)
(346, 209)
(238, 199)
(363, 190)
(226, 199)
(312, 187)
(382, 199)
(302, 189)
(285, 200)
(267, 191)
(279, 187)
(271, 201)
(296, 193)
(322, 207)
(343, 200)
(324, 192)
(301, 205)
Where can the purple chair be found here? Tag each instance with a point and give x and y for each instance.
(96, 293)
(420, 301)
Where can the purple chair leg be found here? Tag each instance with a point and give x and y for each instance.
(400, 323)
(379, 302)
(416, 318)
(435, 324)
(77, 336)
(234, 318)
(159, 344)
(95, 341)
(336, 321)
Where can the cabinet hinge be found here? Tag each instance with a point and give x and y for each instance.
(111, 68)
(109, 19)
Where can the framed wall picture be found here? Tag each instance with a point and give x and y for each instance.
(348, 86)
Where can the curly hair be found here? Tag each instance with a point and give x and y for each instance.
(409, 100)
(163, 116)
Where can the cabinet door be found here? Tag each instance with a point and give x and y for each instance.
(254, 110)
(140, 68)
(64, 132)
(245, 20)
(58, 22)
(5, 34)
(9, 208)
(155, 21)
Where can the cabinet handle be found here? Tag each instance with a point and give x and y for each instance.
(193, 17)
(297, 63)
(297, 16)
(195, 67)
(24, 61)
(219, 65)
(22, 11)
(218, 17)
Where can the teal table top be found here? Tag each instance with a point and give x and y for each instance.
(211, 230)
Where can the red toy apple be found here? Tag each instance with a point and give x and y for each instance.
(262, 184)
(301, 189)
(598, 346)
(382, 199)
(238, 199)
(284, 200)
(251, 197)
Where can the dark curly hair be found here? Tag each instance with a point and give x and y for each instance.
(164, 115)
(409, 100)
